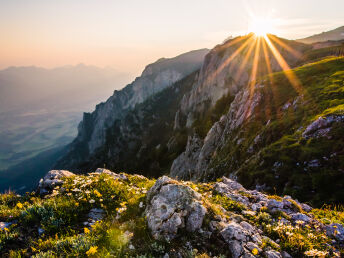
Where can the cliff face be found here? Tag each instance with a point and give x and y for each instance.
(155, 78)
(229, 67)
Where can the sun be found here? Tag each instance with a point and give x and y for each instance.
(261, 26)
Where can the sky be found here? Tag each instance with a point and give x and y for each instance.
(129, 34)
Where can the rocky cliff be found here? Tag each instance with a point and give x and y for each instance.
(155, 78)
(146, 138)
(105, 214)
(229, 67)
(278, 136)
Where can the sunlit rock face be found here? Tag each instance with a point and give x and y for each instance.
(229, 67)
(194, 162)
(155, 78)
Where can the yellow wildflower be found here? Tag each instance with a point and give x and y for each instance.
(76, 204)
(19, 205)
(33, 249)
(92, 250)
(6, 229)
(255, 251)
(123, 204)
(87, 231)
(98, 194)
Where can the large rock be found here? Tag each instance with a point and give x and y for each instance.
(172, 206)
(52, 179)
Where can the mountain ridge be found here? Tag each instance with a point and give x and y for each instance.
(332, 35)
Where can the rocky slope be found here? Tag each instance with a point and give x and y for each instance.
(120, 215)
(278, 136)
(155, 78)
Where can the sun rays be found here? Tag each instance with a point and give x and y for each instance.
(257, 55)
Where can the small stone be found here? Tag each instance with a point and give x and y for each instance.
(272, 203)
(235, 248)
(40, 231)
(113, 174)
(233, 232)
(231, 184)
(285, 255)
(248, 227)
(4, 225)
(306, 207)
(250, 246)
(301, 217)
(273, 254)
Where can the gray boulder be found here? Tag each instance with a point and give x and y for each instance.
(233, 232)
(113, 174)
(172, 206)
(336, 231)
(52, 179)
(301, 217)
(273, 254)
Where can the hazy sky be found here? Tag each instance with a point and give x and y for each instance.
(128, 34)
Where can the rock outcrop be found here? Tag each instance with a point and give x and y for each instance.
(172, 206)
(194, 162)
(52, 179)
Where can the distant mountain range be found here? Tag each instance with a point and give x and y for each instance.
(332, 35)
(41, 108)
(36, 125)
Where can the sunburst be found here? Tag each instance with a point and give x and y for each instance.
(259, 53)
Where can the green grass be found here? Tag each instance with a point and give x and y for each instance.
(123, 231)
(280, 158)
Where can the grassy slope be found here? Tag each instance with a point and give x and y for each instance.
(61, 218)
(281, 156)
